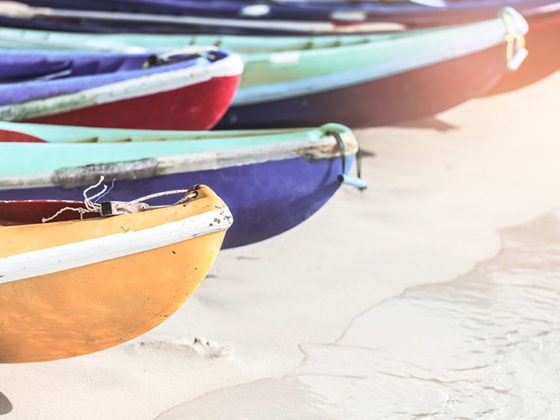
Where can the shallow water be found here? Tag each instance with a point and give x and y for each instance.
(486, 345)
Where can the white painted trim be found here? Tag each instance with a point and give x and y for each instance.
(549, 8)
(267, 25)
(231, 65)
(91, 251)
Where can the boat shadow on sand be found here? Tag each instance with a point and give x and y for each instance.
(5, 405)
(433, 123)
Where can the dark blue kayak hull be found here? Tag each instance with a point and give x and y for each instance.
(265, 199)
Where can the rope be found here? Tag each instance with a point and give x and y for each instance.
(192, 194)
(515, 41)
(176, 55)
(88, 201)
(91, 206)
(342, 148)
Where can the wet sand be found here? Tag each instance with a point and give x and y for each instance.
(440, 191)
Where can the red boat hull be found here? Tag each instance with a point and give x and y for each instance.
(194, 107)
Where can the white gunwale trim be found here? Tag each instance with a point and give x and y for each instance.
(164, 81)
(25, 11)
(280, 25)
(91, 251)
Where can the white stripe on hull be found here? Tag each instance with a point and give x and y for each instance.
(91, 251)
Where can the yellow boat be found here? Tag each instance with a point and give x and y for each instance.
(73, 287)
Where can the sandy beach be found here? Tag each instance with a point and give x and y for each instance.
(251, 343)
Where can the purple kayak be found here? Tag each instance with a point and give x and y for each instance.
(270, 180)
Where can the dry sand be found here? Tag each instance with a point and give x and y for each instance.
(439, 191)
